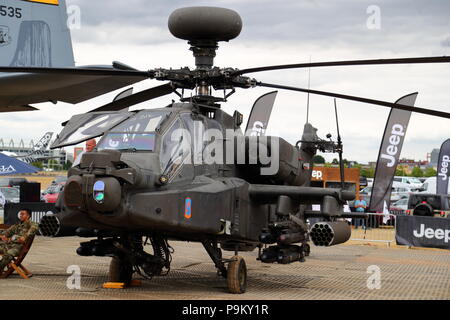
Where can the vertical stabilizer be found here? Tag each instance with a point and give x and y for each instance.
(34, 33)
(39, 149)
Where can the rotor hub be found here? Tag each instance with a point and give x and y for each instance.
(204, 53)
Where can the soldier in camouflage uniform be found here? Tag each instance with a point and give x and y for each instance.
(13, 239)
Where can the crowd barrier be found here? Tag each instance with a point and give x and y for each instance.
(377, 227)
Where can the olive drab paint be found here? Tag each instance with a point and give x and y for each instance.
(390, 150)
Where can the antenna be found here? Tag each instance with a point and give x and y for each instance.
(309, 85)
(339, 147)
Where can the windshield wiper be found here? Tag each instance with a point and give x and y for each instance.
(158, 128)
(128, 150)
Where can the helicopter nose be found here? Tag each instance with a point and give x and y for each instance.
(87, 192)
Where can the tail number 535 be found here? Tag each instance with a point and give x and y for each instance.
(11, 12)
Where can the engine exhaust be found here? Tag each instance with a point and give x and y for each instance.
(330, 233)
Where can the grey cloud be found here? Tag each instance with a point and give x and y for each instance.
(404, 24)
(408, 28)
(446, 42)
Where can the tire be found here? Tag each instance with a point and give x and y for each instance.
(307, 250)
(120, 270)
(237, 275)
(424, 210)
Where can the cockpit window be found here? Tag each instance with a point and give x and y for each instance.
(128, 141)
(86, 126)
(196, 130)
(175, 149)
(144, 121)
(135, 134)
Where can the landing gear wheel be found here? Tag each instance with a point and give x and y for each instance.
(120, 270)
(307, 249)
(237, 275)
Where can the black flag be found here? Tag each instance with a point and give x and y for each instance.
(443, 169)
(390, 150)
(260, 115)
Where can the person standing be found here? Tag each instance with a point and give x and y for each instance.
(361, 206)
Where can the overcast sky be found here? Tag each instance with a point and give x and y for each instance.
(280, 32)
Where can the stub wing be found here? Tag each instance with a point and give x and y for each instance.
(331, 200)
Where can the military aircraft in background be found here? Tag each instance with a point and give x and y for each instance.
(34, 33)
(38, 153)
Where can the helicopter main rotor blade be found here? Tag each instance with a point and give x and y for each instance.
(62, 84)
(136, 98)
(360, 99)
(444, 59)
(82, 71)
(17, 108)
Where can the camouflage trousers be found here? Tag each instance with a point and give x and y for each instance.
(7, 253)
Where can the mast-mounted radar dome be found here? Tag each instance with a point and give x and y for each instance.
(203, 27)
(205, 23)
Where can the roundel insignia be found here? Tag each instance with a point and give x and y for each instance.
(188, 208)
(5, 37)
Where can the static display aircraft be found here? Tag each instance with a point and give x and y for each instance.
(38, 153)
(187, 171)
(32, 34)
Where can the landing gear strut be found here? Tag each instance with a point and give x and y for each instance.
(236, 273)
(215, 253)
(120, 270)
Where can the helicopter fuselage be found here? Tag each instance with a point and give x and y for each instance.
(145, 189)
(187, 172)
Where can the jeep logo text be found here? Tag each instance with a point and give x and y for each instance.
(394, 140)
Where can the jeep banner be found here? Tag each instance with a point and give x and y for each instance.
(390, 150)
(443, 169)
(260, 115)
(419, 231)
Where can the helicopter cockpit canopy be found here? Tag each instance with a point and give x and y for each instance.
(83, 127)
(137, 133)
(119, 125)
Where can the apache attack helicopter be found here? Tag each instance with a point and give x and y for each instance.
(143, 184)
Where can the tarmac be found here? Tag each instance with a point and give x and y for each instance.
(342, 272)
